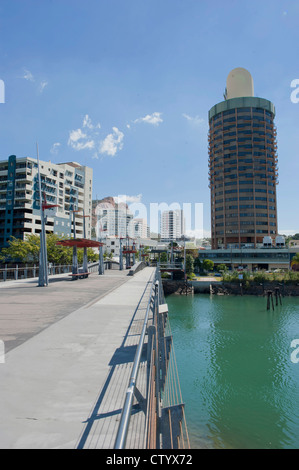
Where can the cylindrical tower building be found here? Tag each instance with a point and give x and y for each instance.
(242, 166)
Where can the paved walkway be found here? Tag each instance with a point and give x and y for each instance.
(60, 359)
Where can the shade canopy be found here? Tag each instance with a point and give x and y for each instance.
(80, 243)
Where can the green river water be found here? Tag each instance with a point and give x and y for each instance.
(238, 377)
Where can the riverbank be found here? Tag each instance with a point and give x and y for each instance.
(219, 287)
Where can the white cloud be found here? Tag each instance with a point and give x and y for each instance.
(88, 123)
(128, 199)
(112, 142)
(79, 141)
(195, 120)
(154, 119)
(198, 233)
(42, 86)
(87, 138)
(288, 232)
(28, 76)
(55, 147)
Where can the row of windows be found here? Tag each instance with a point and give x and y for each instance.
(247, 190)
(246, 198)
(245, 222)
(247, 110)
(245, 206)
(255, 116)
(244, 214)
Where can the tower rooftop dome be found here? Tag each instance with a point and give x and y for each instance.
(239, 83)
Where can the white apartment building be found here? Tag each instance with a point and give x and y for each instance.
(172, 225)
(139, 228)
(67, 185)
(113, 221)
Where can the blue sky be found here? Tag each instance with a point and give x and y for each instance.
(125, 86)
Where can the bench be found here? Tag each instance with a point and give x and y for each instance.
(79, 275)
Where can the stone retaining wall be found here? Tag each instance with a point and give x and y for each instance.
(229, 288)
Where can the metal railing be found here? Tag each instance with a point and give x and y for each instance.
(26, 272)
(165, 423)
(126, 412)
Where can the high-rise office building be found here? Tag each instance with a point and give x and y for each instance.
(242, 165)
(67, 185)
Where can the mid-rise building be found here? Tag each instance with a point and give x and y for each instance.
(67, 185)
(172, 225)
(242, 166)
(139, 228)
(113, 220)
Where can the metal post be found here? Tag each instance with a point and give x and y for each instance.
(75, 255)
(120, 255)
(85, 261)
(101, 259)
(43, 261)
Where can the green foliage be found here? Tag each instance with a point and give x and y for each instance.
(208, 265)
(27, 251)
(189, 264)
(165, 275)
(23, 251)
(163, 257)
(295, 258)
(260, 277)
(221, 268)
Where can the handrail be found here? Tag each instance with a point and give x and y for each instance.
(121, 436)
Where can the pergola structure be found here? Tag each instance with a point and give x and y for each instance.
(127, 250)
(80, 243)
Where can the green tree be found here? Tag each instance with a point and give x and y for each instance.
(208, 265)
(197, 264)
(221, 268)
(24, 251)
(27, 251)
(163, 257)
(295, 258)
(189, 264)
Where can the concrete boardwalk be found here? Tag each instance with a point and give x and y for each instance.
(69, 350)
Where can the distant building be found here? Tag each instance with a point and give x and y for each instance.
(112, 245)
(112, 220)
(68, 185)
(172, 225)
(242, 166)
(139, 228)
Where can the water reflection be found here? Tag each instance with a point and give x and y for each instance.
(240, 387)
